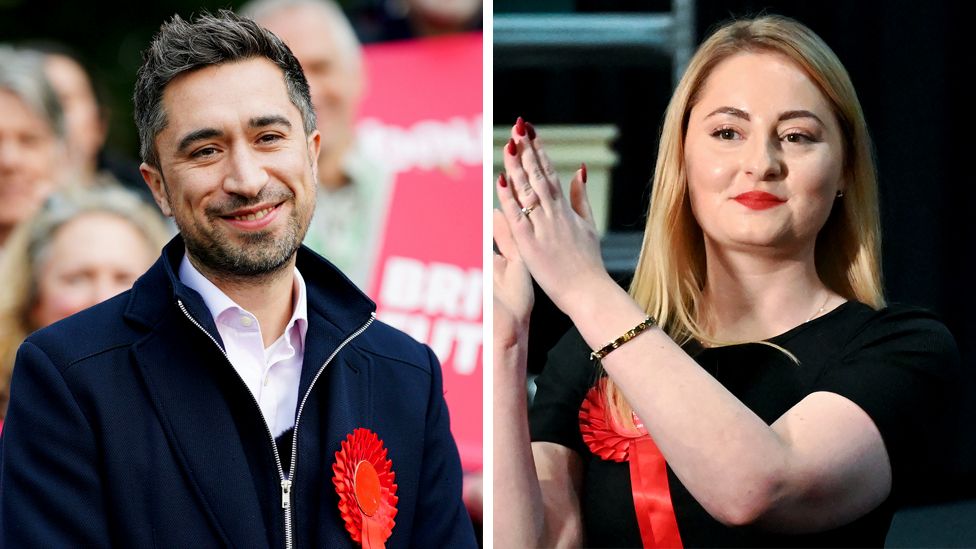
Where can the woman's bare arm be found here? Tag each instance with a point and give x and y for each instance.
(535, 486)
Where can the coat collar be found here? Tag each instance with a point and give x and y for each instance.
(331, 295)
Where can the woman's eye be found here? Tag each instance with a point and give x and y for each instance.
(725, 134)
(797, 137)
(125, 279)
(74, 279)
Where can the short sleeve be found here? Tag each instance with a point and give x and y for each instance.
(560, 389)
(903, 369)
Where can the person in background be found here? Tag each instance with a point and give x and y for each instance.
(31, 138)
(354, 189)
(81, 248)
(86, 119)
(430, 18)
(410, 19)
(86, 125)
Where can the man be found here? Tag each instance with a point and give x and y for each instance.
(31, 137)
(86, 125)
(354, 189)
(241, 394)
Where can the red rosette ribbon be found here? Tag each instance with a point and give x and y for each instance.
(364, 479)
(648, 469)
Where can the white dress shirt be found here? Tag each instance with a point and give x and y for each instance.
(272, 374)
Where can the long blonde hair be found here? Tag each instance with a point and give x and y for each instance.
(670, 271)
(27, 250)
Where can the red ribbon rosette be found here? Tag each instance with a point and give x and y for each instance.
(648, 469)
(364, 480)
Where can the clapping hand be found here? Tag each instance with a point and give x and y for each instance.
(556, 239)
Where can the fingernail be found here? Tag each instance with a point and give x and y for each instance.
(511, 147)
(501, 180)
(531, 128)
(583, 169)
(520, 127)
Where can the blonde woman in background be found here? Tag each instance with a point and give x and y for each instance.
(82, 248)
(756, 390)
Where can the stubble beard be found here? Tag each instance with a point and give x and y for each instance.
(251, 257)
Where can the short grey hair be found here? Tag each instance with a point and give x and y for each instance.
(180, 47)
(262, 10)
(22, 74)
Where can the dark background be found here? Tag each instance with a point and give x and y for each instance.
(911, 63)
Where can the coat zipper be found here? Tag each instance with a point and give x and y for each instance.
(286, 482)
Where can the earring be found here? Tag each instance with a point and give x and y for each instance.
(840, 193)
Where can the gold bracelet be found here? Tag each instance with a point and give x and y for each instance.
(628, 335)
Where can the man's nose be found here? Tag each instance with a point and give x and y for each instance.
(246, 175)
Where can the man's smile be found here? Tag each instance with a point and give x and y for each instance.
(253, 218)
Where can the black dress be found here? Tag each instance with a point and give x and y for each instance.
(899, 364)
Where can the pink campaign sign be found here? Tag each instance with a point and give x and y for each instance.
(422, 119)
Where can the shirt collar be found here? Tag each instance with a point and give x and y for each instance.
(218, 302)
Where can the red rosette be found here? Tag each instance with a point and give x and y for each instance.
(364, 480)
(610, 441)
(601, 433)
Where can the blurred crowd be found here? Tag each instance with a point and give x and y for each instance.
(78, 225)
(73, 232)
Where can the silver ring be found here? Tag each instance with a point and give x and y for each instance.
(527, 211)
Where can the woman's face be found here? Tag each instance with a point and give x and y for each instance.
(91, 258)
(764, 157)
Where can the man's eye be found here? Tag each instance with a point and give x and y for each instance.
(269, 138)
(205, 152)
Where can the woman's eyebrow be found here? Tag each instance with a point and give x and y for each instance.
(788, 115)
(792, 115)
(738, 113)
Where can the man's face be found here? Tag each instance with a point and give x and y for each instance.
(28, 158)
(335, 78)
(86, 130)
(237, 171)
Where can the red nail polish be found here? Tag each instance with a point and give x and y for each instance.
(520, 127)
(583, 169)
(531, 128)
(511, 147)
(501, 180)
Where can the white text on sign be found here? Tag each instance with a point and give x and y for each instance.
(438, 304)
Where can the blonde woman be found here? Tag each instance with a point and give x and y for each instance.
(81, 248)
(755, 390)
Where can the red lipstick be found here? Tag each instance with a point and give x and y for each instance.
(758, 200)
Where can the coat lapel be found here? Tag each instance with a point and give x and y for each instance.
(212, 425)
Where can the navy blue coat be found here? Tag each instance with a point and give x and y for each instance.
(127, 426)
